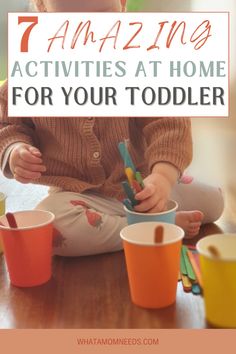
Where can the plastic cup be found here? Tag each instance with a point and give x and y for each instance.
(152, 268)
(167, 216)
(2, 212)
(218, 276)
(28, 249)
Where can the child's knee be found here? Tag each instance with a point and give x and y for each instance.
(82, 245)
(80, 229)
(83, 237)
(200, 196)
(215, 206)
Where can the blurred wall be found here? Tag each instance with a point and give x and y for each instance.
(226, 5)
(167, 6)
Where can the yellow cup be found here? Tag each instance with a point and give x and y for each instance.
(219, 279)
(2, 212)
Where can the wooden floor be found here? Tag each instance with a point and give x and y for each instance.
(92, 292)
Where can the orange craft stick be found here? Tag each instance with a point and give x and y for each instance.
(159, 234)
(130, 175)
(195, 267)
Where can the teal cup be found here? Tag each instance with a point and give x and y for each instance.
(167, 216)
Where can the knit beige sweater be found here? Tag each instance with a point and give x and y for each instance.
(82, 153)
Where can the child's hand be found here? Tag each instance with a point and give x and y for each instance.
(25, 163)
(153, 198)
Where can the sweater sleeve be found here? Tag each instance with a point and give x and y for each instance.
(13, 130)
(169, 139)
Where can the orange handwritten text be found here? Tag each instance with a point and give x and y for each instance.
(166, 33)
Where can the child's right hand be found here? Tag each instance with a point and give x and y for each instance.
(26, 163)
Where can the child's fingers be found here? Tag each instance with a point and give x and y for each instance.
(35, 151)
(22, 173)
(31, 167)
(21, 179)
(147, 192)
(147, 204)
(151, 205)
(27, 156)
(161, 206)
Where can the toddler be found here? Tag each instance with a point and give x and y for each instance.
(79, 159)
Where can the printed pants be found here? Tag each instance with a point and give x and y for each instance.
(89, 223)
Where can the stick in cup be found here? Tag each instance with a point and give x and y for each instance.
(152, 267)
(11, 220)
(159, 234)
(218, 268)
(28, 248)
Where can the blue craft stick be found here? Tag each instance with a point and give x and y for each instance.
(196, 290)
(129, 192)
(128, 205)
(126, 156)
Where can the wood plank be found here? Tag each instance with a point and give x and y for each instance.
(90, 292)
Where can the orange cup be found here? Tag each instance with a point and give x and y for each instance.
(28, 249)
(2, 212)
(152, 267)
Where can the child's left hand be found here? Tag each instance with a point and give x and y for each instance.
(153, 198)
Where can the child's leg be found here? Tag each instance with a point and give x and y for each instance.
(193, 195)
(85, 223)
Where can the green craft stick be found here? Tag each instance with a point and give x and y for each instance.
(188, 265)
(139, 179)
(183, 268)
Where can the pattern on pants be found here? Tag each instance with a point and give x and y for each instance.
(94, 218)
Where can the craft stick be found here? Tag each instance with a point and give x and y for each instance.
(196, 290)
(195, 267)
(183, 269)
(138, 178)
(189, 268)
(130, 175)
(187, 285)
(159, 234)
(128, 205)
(179, 276)
(136, 186)
(11, 220)
(191, 247)
(129, 192)
(213, 251)
(126, 156)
